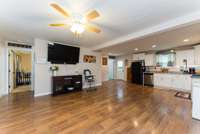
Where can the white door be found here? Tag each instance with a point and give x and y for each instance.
(120, 69)
(111, 69)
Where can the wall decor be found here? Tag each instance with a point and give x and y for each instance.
(104, 61)
(89, 59)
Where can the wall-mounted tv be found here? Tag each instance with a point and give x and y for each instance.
(63, 54)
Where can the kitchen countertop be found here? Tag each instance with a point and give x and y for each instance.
(196, 76)
(181, 73)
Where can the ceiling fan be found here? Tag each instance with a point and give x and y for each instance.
(78, 22)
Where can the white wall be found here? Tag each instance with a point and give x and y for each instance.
(104, 70)
(2, 68)
(42, 75)
(105, 73)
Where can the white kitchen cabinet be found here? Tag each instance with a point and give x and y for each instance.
(139, 56)
(158, 80)
(181, 82)
(186, 83)
(197, 55)
(162, 80)
(150, 60)
(185, 54)
(166, 80)
(196, 98)
(176, 81)
(173, 81)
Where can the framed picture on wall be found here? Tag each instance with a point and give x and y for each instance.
(104, 61)
(89, 59)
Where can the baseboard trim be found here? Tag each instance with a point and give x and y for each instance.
(42, 94)
(98, 84)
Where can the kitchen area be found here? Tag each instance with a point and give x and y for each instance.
(175, 69)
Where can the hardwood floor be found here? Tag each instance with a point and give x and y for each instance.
(115, 108)
(23, 88)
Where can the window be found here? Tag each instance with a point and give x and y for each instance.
(120, 64)
(165, 59)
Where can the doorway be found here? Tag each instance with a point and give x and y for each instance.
(111, 68)
(19, 70)
(120, 70)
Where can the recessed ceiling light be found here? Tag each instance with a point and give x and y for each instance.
(172, 51)
(154, 46)
(136, 49)
(186, 40)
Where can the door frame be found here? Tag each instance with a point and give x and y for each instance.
(8, 48)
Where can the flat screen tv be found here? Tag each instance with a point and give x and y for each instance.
(63, 54)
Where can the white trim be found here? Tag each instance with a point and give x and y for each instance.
(42, 94)
(99, 84)
(170, 25)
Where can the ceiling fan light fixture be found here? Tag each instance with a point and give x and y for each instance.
(77, 28)
(78, 23)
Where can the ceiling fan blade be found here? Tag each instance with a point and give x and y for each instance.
(60, 9)
(92, 28)
(57, 25)
(92, 15)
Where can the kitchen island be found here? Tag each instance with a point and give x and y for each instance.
(196, 96)
(173, 80)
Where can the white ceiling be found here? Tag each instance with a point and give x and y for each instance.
(120, 20)
(163, 40)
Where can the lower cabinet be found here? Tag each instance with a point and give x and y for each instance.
(162, 80)
(173, 81)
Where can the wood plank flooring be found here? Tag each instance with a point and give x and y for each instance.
(115, 108)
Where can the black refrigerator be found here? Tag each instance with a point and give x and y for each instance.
(137, 69)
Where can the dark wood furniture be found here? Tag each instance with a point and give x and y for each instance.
(66, 84)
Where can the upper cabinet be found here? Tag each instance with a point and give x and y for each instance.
(191, 55)
(197, 55)
(139, 56)
(150, 60)
(185, 55)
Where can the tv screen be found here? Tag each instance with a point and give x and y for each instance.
(63, 54)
